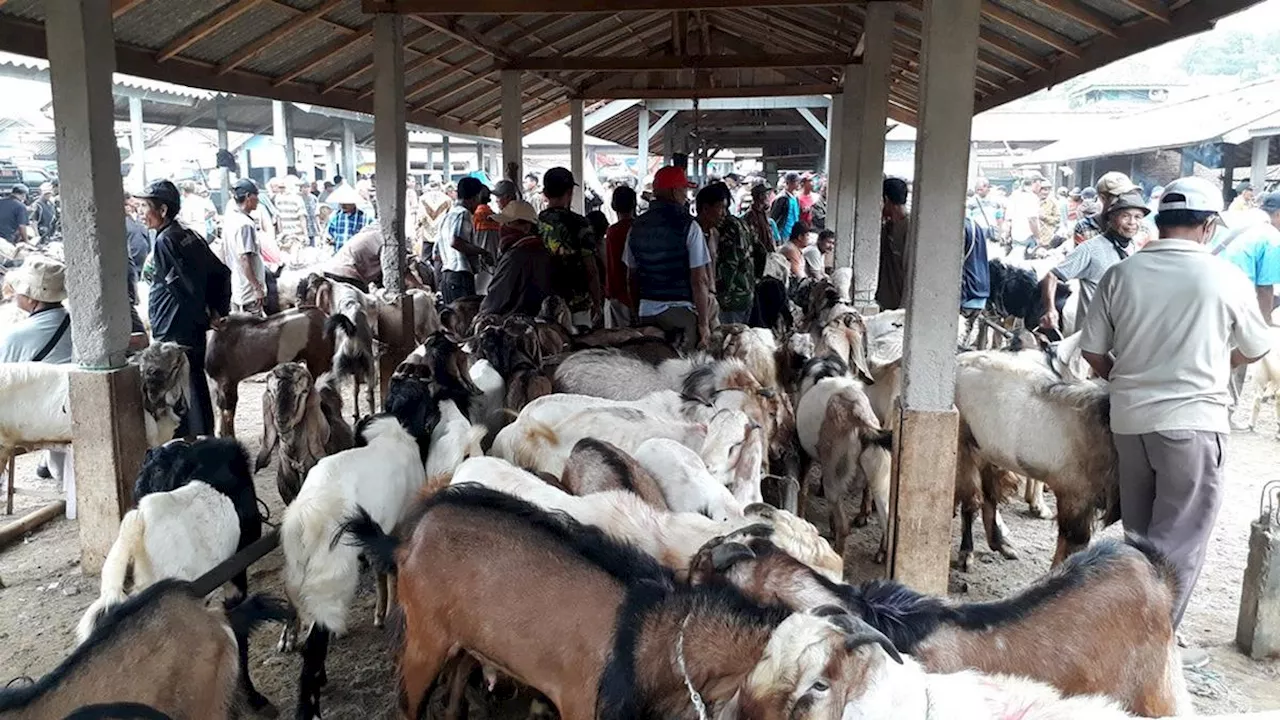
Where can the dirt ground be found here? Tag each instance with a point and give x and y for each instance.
(43, 592)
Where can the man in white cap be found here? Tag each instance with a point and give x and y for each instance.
(1165, 328)
(1109, 188)
(39, 288)
(522, 278)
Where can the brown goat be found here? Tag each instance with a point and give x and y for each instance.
(609, 658)
(599, 466)
(245, 345)
(302, 419)
(1099, 624)
(162, 649)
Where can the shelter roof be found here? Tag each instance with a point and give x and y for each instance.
(319, 52)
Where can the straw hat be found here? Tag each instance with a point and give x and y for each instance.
(343, 195)
(40, 278)
(517, 210)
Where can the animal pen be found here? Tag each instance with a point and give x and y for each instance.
(662, 75)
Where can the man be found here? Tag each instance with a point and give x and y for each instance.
(1024, 216)
(412, 211)
(349, 219)
(190, 287)
(981, 206)
(291, 213)
(311, 208)
(456, 245)
(359, 262)
(522, 278)
(894, 223)
(616, 288)
(668, 264)
(198, 211)
(485, 230)
(975, 278)
(807, 199)
(1090, 260)
(139, 244)
(573, 246)
(1110, 186)
(13, 215)
(242, 252)
(732, 241)
(819, 259)
(532, 195)
(1165, 328)
(1050, 216)
(793, 250)
(45, 214)
(763, 229)
(785, 210)
(1255, 249)
(1244, 198)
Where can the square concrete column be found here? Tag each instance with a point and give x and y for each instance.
(924, 471)
(349, 152)
(480, 156)
(391, 144)
(642, 145)
(1258, 172)
(105, 395)
(224, 175)
(877, 65)
(577, 155)
(835, 165)
(446, 160)
(512, 131)
(137, 140)
(280, 137)
(848, 107)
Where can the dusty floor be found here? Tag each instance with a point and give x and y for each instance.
(43, 592)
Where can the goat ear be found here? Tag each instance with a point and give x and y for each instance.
(867, 635)
(726, 555)
(858, 352)
(269, 436)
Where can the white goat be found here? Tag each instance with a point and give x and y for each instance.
(487, 409)
(180, 534)
(1266, 383)
(686, 484)
(453, 440)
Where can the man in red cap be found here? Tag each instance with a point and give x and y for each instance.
(668, 263)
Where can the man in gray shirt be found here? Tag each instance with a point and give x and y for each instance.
(1092, 258)
(243, 254)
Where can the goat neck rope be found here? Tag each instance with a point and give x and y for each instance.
(694, 697)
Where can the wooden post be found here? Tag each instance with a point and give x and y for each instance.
(850, 111)
(924, 474)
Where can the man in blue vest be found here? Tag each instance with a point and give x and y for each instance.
(668, 265)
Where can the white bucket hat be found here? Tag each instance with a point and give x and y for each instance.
(517, 210)
(40, 278)
(343, 195)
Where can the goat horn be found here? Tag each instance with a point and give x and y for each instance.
(726, 555)
(864, 634)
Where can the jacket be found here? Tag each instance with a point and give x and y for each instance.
(189, 285)
(658, 247)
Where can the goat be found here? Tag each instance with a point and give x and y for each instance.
(301, 423)
(1006, 405)
(599, 466)
(838, 428)
(513, 361)
(454, 438)
(381, 475)
(1266, 385)
(1015, 294)
(457, 317)
(611, 658)
(686, 484)
(161, 649)
(1100, 623)
(351, 326)
(756, 347)
(608, 374)
(245, 345)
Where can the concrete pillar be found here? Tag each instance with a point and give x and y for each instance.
(1258, 172)
(138, 140)
(877, 61)
(290, 147)
(1258, 625)
(391, 142)
(577, 154)
(105, 394)
(924, 471)
(642, 145)
(279, 137)
(849, 108)
(512, 132)
(224, 175)
(333, 159)
(835, 166)
(447, 165)
(480, 156)
(349, 153)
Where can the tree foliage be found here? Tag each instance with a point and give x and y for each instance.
(1246, 55)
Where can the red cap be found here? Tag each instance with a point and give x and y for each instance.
(671, 178)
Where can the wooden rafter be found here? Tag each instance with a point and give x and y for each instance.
(574, 7)
(479, 42)
(206, 27)
(715, 92)
(359, 70)
(1154, 9)
(435, 57)
(1031, 28)
(120, 7)
(986, 38)
(1084, 15)
(635, 63)
(274, 36)
(740, 44)
(323, 55)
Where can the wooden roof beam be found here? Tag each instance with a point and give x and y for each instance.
(1151, 8)
(479, 42)
(574, 7)
(409, 39)
(417, 64)
(206, 27)
(120, 7)
(680, 93)
(1031, 28)
(322, 55)
(725, 33)
(239, 57)
(1083, 15)
(634, 63)
(986, 38)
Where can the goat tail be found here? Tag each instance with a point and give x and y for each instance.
(336, 323)
(877, 437)
(527, 449)
(378, 546)
(247, 615)
(128, 549)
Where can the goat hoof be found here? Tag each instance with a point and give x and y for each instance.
(378, 622)
(1008, 553)
(262, 706)
(965, 562)
(880, 557)
(1039, 511)
(861, 520)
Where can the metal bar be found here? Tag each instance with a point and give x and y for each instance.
(234, 565)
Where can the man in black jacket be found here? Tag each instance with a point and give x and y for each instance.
(522, 279)
(190, 289)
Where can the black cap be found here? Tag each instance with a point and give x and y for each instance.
(162, 191)
(1270, 203)
(243, 188)
(469, 187)
(19, 189)
(557, 181)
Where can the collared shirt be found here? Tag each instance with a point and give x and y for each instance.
(457, 223)
(240, 238)
(1171, 314)
(1088, 262)
(25, 339)
(342, 226)
(573, 245)
(361, 258)
(291, 214)
(13, 215)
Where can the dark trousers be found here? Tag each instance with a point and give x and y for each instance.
(198, 419)
(457, 284)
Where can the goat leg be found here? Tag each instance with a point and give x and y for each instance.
(994, 525)
(355, 398)
(834, 486)
(227, 396)
(1255, 414)
(313, 674)
(288, 636)
(864, 509)
(1075, 528)
(1034, 495)
(802, 496)
(967, 514)
(257, 702)
(464, 666)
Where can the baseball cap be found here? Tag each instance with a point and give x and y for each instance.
(557, 181)
(1270, 203)
(19, 189)
(671, 178)
(164, 192)
(243, 189)
(504, 189)
(1191, 193)
(1115, 183)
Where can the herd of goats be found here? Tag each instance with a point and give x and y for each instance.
(610, 523)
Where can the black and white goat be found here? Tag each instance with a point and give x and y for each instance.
(351, 324)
